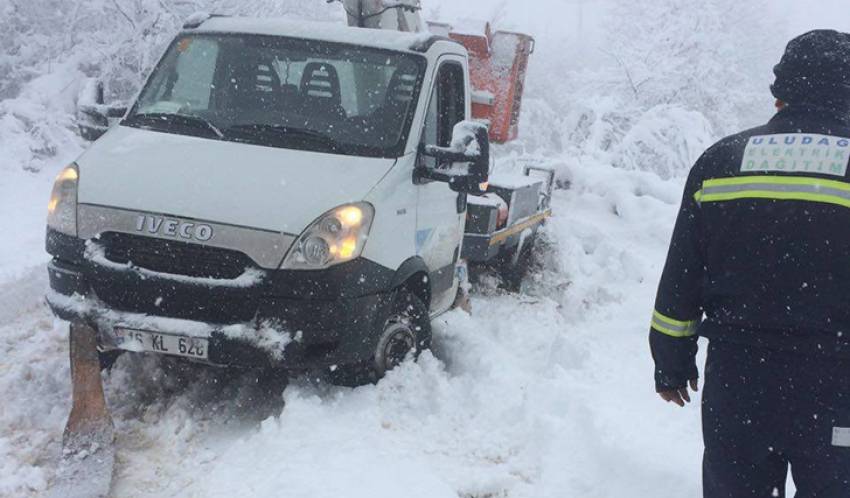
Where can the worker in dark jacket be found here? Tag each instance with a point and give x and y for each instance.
(760, 265)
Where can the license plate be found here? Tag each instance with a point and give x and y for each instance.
(158, 342)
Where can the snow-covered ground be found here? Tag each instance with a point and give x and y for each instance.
(547, 393)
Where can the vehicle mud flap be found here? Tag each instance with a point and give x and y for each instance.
(88, 450)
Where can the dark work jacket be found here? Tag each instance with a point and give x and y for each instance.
(760, 253)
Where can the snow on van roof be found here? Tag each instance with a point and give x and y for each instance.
(316, 30)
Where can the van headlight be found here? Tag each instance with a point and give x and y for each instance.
(336, 237)
(62, 208)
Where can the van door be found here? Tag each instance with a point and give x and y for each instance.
(441, 213)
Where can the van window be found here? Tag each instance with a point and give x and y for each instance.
(189, 85)
(284, 92)
(446, 108)
(196, 75)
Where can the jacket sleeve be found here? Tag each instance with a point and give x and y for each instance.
(678, 304)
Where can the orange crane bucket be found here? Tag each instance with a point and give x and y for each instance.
(498, 63)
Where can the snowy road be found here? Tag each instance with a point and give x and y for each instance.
(547, 393)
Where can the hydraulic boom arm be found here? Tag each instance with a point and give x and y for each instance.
(397, 15)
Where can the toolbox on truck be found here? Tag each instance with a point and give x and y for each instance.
(481, 222)
(514, 206)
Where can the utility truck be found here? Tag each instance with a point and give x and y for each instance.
(289, 195)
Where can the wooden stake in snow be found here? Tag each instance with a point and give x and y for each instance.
(88, 452)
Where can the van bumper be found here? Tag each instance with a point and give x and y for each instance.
(330, 322)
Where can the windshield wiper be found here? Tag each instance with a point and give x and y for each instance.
(182, 119)
(287, 131)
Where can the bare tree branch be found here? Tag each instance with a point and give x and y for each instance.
(124, 14)
(635, 87)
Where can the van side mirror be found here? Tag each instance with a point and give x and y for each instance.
(93, 116)
(93, 120)
(465, 164)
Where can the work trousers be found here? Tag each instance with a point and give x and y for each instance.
(765, 411)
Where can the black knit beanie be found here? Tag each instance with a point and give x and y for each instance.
(815, 70)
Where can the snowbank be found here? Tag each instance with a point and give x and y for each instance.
(666, 140)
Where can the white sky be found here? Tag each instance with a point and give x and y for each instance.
(804, 16)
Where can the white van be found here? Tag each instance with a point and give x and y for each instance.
(280, 194)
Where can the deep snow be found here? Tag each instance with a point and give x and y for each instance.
(547, 393)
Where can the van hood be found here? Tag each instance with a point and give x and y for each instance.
(281, 190)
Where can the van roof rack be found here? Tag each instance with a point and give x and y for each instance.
(198, 18)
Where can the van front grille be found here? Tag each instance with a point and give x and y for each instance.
(174, 257)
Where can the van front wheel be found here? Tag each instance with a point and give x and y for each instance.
(406, 331)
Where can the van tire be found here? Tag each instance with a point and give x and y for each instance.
(406, 329)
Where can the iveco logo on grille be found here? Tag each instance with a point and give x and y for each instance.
(169, 227)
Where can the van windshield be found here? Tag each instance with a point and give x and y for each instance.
(283, 92)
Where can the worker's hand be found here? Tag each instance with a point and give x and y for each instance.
(680, 396)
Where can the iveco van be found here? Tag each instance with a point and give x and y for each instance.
(279, 194)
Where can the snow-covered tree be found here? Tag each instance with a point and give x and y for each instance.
(712, 56)
(675, 76)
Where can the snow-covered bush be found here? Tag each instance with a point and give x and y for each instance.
(38, 124)
(664, 139)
